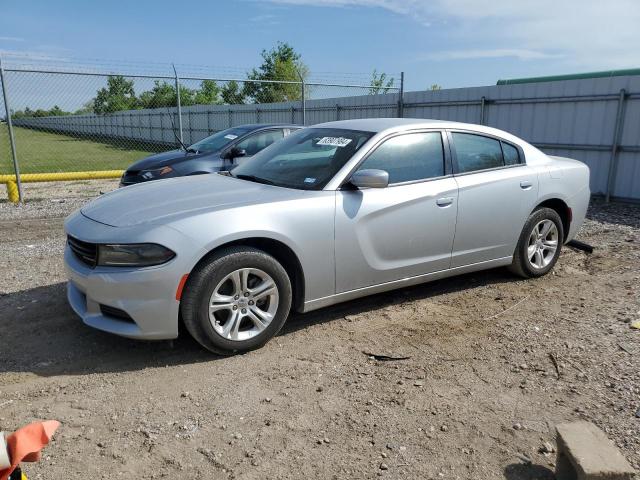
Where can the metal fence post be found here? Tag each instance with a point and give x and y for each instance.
(615, 146)
(14, 155)
(304, 103)
(401, 97)
(483, 101)
(178, 104)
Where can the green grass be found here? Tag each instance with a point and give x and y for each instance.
(44, 152)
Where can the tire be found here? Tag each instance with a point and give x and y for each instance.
(544, 256)
(259, 315)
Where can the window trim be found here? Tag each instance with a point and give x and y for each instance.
(522, 161)
(448, 168)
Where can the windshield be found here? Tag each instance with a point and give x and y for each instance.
(306, 159)
(219, 140)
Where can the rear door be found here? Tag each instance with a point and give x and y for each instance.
(496, 193)
(406, 229)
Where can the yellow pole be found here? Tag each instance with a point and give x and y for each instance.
(12, 191)
(12, 186)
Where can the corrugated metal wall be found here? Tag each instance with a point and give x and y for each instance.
(573, 118)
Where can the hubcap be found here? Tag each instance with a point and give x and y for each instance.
(543, 243)
(243, 304)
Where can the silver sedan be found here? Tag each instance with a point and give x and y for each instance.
(333, 212)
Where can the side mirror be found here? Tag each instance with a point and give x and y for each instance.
(370, 178)
(236, 152)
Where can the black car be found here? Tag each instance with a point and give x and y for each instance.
(220, 151)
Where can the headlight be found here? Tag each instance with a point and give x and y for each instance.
(160, 172)
(133, 255)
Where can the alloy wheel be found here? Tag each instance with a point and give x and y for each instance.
(243, 304)
(543, 243)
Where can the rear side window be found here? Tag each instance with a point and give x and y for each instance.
(511, 154)
(410, 157)
(475, 152)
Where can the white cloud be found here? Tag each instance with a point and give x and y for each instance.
(584, 33)
(520, 54)
(11, 39)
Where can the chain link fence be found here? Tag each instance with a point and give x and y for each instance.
(72, 119)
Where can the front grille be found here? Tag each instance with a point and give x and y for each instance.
(86, 252)
(116, 313)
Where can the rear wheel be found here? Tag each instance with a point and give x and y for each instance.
(539, 244)
(236, 301)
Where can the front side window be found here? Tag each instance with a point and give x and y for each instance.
(254, 143)
(409, 157)
(219, 140)
(476, 152)
(306, 159)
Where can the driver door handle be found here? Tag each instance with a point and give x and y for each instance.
(444, 201)
(525, 184)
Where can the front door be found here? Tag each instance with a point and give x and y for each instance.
(405, 229)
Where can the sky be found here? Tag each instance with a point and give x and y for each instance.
(452, 43)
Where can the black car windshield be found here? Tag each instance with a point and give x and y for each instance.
(306, 159)
(219, 140)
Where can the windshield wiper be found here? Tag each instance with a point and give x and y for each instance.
(253, 178)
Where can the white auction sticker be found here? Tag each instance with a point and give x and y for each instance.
(334, 141)
(231, 137)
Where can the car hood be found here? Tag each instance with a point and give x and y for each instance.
(162, 201)
(171, 157)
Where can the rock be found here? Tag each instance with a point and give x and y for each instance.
(185, 394)
(418, 383)
(518, 426)
(444, 428)
(638, 413)
(318, 389)
(237, 436)
(384, 466)
(547, 448)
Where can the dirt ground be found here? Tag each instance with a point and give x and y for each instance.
(477, 398)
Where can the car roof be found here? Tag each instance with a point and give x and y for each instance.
(393, 125)
(258, 126)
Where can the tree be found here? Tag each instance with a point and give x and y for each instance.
(163, 94)
(280, 63)
(117, 95)
(209, 93)
(232, 94)
(434, 87)
(379, 83)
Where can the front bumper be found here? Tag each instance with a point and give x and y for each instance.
(147, 295)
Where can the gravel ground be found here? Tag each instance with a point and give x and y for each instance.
(477, 398)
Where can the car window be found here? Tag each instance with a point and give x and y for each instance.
(511, 155)
(476, 152)
(254, 143)
(219, 140)
(414, 156)
(307, 159)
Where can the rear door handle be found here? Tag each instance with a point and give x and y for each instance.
(444, 201)
(526, 185)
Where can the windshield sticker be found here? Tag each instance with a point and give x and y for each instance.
(309, 180)
(334, 141)
(231, 136)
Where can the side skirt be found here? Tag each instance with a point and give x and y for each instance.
(405, 282)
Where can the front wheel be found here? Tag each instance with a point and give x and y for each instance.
(539, 245)
(236, 301)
